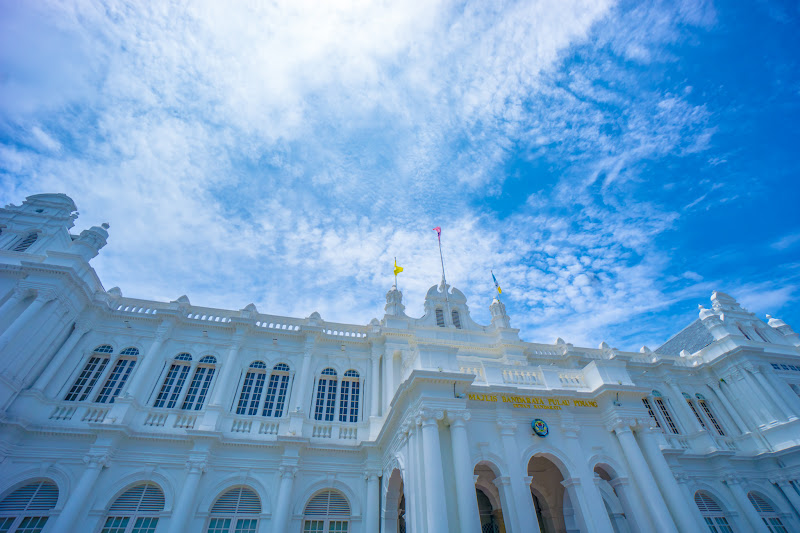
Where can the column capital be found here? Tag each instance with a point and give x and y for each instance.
(506, 426)
(475, 477)
(83, 325)
(780, 480)
(621, 425)
(287, 472)
(570, 430)
(196, 465)
(371, 475)
(97, 459)
(682, 478)
(713, 384)
(163, 330)
(430, 415)
(731, 479)
(527, 479)
(458, 417)
(45, 295)
(752, 368)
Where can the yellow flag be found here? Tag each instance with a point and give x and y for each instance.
(397, 269)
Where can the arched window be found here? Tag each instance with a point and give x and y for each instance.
(328, 511)
(201, 381)
(694, 410)
(709, 413)
(712, 513)
(118, 377)
(743, 332)
(439, 318)
(236, 511)
(650, 412)
(767, 513)
(173, 382)
(348, 402)
(276, 391)
(25, 243)
(27, 509)
(456, 319)
(136, 510)
(669, 422)
(90, 375)
(252, 389)
(326, 396)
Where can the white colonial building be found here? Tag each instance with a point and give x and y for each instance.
(121, 415)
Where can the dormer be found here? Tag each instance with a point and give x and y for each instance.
(41, 223)
(447, 312)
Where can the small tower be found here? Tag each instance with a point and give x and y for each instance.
(40, 224)
(499, 317)
(394, 303)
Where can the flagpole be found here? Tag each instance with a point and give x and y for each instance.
(444, 279)
(395, 273)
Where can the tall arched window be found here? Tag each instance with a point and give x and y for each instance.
(712, 513)
(663, 410)
(328, 511)
(91, 373)
(27, 509)
(25, 243)
(439, 317)
(694, 410)
(201, 381)
(326, 396)
(252, 389)
(767, 513)
(348, 402)
(136, 510)
(650, 412)
(118, 376)
(709, 413)
(173, 382)
(276, 391)
(236, 511)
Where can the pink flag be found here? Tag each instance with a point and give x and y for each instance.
(438, 231)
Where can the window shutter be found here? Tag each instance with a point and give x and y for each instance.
(456, 319)
(237, 501)
(147, 498)
(761, 505)
(328, 503)
(39, 496)
(706, 504)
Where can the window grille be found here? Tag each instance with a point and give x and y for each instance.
(129, 351)
(713, 515)
(348, 410)
(440, 318)
(248, 387)
(233, 512)
(27, 509)
(173, 383)
(26, 243)
(198, 388)
(88, 378)
(276, 390)
(326, 396)
(696, 414)
(104, 348)
(456, 319)
(767, 513)
(183, 357)
(135, 510)
(662, 408)
(116, 380)
(707, 410)
(327, 511)
(650, 412)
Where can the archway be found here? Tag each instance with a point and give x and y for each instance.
(490, 508)
(613, 503)
(394, 504)
(552, 503)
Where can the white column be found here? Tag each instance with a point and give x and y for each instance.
(720, 394)
(769, 391)
(182, 512)
(229, 366)
(785, 484)
(23, 319)
(781, 387)
(18, 295)
(524, 517)
(469, 520)
(70, 516)
(757, 398)
(375, 382)
(388, 377)
(280, 518)
(372, 513)
(414, 493)
(685, 412)
(637, 518)
(81, 328)
(300, 390)
(436, 518)
(589, 501)
(47, 329)
(144, 371)
(734, 485)
(662, 520)
(687, 520)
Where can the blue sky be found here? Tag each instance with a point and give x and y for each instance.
(613, 163)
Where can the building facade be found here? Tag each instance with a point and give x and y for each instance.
(120, 415)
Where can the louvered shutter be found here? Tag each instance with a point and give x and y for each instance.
(761, 505)
(706, 504)
(142, 499)
(39, 496)
(328, 503)
(240, 500)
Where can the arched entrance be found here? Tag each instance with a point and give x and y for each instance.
(489, 507)
(394, 504)
(611, 500)
(553, 505)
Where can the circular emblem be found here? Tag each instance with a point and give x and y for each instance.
(540, 427)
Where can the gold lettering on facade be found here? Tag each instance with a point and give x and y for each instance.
(526, 402)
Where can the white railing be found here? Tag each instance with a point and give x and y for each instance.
(185, 421)
(322, 431)
(155, 419)
(348, 433)
(95, 414)
(137, 309)
(268, 428)
(521, 377)
(477, 370)
(571, 380)
(62, 412)
(208, 317)
(241, 426)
